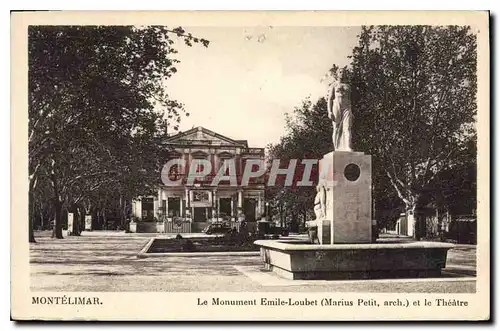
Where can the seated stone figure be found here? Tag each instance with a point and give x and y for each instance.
(319, 202)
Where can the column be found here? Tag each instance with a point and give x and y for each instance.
(218, 206)
(138, 206)
(166, 205)
(232, 207)
(182, 207)
(212, 161)
(155, 207)
(239, 166)
(185, 207)
(187, 157)
(159, 203)
(410, 223)
(70, 224)
(134, 208)
(259, 205)
(240, 199)
(215, 207)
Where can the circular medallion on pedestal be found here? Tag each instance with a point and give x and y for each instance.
(352, 172)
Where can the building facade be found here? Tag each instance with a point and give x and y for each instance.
(190, 207)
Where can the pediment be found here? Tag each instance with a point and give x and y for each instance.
(225, 155)
(199, 155)
(202, 136)
(174, 155)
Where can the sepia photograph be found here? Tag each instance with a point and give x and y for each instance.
(250, 165)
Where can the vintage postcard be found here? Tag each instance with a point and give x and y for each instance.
(274, 166)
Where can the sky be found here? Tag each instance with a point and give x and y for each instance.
(242, 85)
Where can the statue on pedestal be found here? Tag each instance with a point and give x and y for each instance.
(339, 111)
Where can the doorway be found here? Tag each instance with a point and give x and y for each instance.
(225, 207)
(249, 209)
(174, 207)
(200, 214)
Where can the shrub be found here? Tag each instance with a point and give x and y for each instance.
(188, 246)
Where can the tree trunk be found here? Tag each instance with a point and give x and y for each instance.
(121, 212)
(98, 219)
(31, 215)
(76, 220)
(81, 221)
(125, 214)
(57, 230)
(42, 216)
(31, 212)
(412, 217)
(281, 216)
(293, 222)
(104, 219)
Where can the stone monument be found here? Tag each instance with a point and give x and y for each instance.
(344, 181)
(345, 178)
(88, 222)
(344, 222)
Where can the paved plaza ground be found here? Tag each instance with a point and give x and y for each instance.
(107, 261)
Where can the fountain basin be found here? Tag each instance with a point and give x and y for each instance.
(302, 260)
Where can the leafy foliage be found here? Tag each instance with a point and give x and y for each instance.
(414, 102)
(413, 93)
(98, 109)
(308, 136)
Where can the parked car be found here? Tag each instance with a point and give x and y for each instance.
(271, 230)
(217, 228)
(279, 231)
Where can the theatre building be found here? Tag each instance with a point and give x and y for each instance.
(190, 206)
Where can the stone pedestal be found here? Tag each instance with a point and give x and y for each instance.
(347, 182)
(160, 227)
(70, 224)
(88, 222)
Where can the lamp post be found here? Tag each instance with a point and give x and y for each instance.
(267, 211)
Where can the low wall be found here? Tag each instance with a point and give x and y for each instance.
(146, 227)
(184, 227)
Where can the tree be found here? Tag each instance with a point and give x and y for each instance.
(454, 189)
(414, 102)
(308, 135)
(96, 97)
